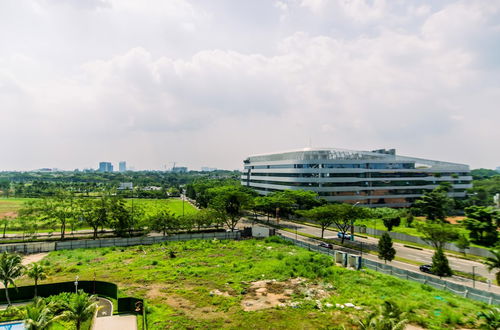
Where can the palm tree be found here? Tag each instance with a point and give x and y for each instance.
(80, 308)
(10, 269)
(36, 272)
(494, 262)
(38, 315)
(389, 317)
(491, 317)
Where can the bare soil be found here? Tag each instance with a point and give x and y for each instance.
(31, 258)
(270, 293)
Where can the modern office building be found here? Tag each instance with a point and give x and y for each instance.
(371, 178)
(105, 167)
(122, 166)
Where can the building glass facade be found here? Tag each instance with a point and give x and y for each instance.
(372, 178)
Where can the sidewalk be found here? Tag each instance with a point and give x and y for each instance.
(116, 322)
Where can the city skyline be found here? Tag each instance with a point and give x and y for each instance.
(206, 84)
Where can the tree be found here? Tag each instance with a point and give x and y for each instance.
(229, 203)
(435, 204)
(80, 308)
(36, 272)
(437, 234)
(493, 262)
(342, 215)
(38, 315)
(440, 265)
(491, 318)
(462, 243)
(386, 251)
(482, 222)
(164, 221)
(322, 215)
(391, 222)
(94, 212)
(388, 317)
(204, 218)
(10, 269)
(4, 222)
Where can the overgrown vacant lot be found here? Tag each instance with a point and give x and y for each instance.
(261, 284)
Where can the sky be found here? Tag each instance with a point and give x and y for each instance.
(208, 83)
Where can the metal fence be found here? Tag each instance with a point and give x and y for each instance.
(28, 248)
(462, 290)
(476, 251)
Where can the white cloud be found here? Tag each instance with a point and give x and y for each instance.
(421, 80)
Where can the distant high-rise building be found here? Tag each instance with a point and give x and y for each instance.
(122, 166)
(105, 167)
(208, 169)
(179, 169)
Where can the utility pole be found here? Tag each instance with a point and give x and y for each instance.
(474, 276)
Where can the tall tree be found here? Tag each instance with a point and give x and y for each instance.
(386, 251)
(493, 262)
(322, 215)
(435, 205)
(94, 212)
(437, 234)
(440, 264)
(342, 215)
(163, 221)
(36, 272)
(10, 269)
(229, 203)
(482, 222)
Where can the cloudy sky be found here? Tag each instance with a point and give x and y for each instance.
(207, 83)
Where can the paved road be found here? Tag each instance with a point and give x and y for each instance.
(423, 256)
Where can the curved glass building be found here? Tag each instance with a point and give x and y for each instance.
(372, 178)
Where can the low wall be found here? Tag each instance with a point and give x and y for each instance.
(45, 290)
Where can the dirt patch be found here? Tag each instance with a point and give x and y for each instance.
(267, 294)
(190, 309)
(154, 292)
(217, 292)
(31, 258)
(10, 215)
(454, 220)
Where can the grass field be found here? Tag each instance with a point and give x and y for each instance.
(175, 206)
(254, 284)
(10, 206)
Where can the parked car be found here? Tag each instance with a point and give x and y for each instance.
(326, 245)
(346, 236)
(426, 268)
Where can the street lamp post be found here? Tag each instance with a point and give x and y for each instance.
(76, 284)
(352, 224)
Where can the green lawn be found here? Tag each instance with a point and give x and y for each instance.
(180, 291)
(175, 205)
